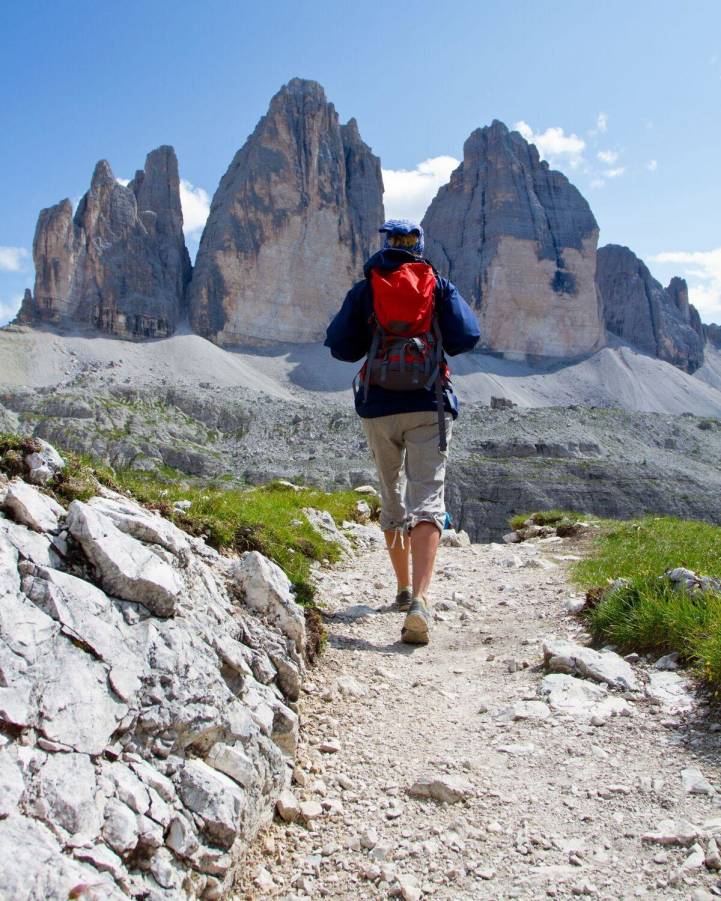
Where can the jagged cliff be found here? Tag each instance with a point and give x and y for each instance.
(290, 225)
(519, 241)
(657, 320)
(120, 263)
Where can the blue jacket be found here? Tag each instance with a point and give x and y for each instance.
(350, 333)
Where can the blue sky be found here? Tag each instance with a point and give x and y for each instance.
(624, 97)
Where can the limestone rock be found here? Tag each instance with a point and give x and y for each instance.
(519, 241)
(581, 699)
(670, 691)
(567, 657)
(290, 225)
(657, 320)
(126, 567)
(126, 731)
(43, 464)
(120, 263)
(32, 508)
(447, 789)
(267, 590)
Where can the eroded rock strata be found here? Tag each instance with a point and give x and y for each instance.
(657, 320)
(519, 241)
(119, 264)
(290, 225)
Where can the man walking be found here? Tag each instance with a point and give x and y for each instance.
(405, 318)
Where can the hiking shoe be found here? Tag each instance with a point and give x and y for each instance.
(404, 598)
(415, 626)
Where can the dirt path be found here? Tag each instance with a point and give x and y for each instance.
(555, 806)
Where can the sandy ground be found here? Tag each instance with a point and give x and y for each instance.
(556, 807)
(615, 376)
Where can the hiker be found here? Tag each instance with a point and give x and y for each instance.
(405, 318)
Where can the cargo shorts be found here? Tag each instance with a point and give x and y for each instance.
(411, 468)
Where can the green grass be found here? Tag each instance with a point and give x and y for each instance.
(540, 518)
(647, 615)
(268, 519)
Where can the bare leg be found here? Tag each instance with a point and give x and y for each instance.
(399, 551)
(424, 542)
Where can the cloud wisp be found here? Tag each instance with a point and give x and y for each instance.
(408, 192)
(13, 259)
(702, 269)
(554, 145)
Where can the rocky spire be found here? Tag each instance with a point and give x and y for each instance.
(519, 241)
(657, 320)
(289, 227)
(120, 263)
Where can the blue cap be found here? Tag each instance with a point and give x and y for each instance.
(403, 227)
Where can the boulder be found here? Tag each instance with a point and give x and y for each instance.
(519, 242)
(44, 463)
(125, 566)
(31, 507)
(267, 590)
(566, 657)
(292, 222)
(581, 699)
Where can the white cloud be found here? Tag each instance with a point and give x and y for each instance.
(196, 206)
(615, 173)
(702, 269)
(652, 165)
(408, 192)
(9, 308)
(554, 145)
(123, 181)
(12, 259)
(607, 156)
(602, 123)
(597, 183)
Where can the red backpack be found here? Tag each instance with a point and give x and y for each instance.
(406, 351)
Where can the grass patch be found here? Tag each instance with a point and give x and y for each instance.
(540, 518)
(646, 614)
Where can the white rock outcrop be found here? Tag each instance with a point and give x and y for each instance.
(562, 656)
(146, 710)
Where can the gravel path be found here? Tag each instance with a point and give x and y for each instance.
(550, 805)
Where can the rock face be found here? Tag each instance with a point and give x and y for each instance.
(139, 751)
(290, 225)
(120, 263)
(657, 320)
(519, 241)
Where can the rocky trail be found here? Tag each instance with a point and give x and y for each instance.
(464, 770)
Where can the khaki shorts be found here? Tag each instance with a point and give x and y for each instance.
(411, 468)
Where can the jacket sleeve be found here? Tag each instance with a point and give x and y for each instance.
(349, 334)
(458, 323)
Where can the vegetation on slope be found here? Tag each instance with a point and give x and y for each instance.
(646, 613)
(269, 519)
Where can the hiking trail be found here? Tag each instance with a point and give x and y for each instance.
(550, 803)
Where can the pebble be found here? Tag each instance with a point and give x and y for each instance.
(331, 746)
(288, 807)
(695, 783)
(310, 810)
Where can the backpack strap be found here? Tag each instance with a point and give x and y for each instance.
(375, 344)
(438, 372)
